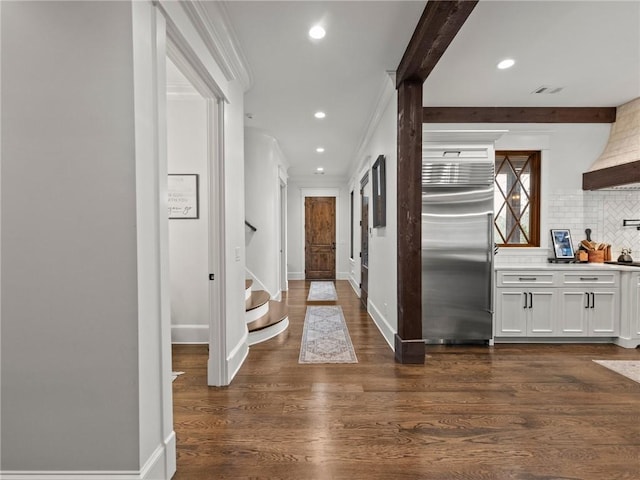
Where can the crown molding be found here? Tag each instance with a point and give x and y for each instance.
(220, 39)
(385, 94)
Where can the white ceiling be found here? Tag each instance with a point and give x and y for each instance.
(590, 48)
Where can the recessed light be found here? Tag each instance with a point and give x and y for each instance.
(319, 149)
(319, 169)
(319, 114)
(506, 63)
(317, 32)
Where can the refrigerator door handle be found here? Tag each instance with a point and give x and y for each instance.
(490, 254)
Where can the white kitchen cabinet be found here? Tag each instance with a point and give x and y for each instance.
(629, 336)
(589, 313)
(591, 305)
(525, 304)
(525, 313)
(564, 302)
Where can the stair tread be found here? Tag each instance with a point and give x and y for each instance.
(257, 299)
(278, 311)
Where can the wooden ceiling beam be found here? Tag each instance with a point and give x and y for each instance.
(518, 115)
(438, 25)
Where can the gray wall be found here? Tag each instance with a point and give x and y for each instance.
(69, 280)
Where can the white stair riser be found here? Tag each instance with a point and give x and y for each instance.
(269, 332)
(247, 293)
(256, 313)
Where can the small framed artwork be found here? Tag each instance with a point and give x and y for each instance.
(379, 192)
(183, 196)
(562, 244)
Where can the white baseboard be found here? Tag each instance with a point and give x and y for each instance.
(355, 286)
(627, 342)
(189, 333)
(381, 322)
(295, 276)
(161, 465)
(342, 276)
(237, 356)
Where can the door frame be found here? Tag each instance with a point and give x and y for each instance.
(283, 283)
(217, 368)
(320, 192)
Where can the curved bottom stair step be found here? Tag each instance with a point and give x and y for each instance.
(278, 311)
(274, 322)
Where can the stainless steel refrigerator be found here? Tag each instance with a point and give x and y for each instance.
(457, 245)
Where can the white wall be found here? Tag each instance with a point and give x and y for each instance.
(382, 302)
(188, 239)
(321, 186)
(262, 161)
(70, 285)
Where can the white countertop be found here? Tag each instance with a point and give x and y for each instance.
(567, 266)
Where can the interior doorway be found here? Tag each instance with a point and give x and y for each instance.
(204, 324)
(320, 237)
(364, 241)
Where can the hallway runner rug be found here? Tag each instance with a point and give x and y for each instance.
(325, 338)
(322, 292)
(628, 368)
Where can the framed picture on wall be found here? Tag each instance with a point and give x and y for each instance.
(183, 196)
(379, 193)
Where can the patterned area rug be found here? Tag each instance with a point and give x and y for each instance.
(325, 338)
(628, 368)
(322, 291)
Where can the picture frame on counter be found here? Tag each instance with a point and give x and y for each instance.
(562, 244)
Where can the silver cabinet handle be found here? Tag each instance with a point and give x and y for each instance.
(530, 300)
(593, 300)
(587, 295)
(588, 279)
(525, 300)
(527, 279)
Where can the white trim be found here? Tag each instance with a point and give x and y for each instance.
(220, 39)
(295, 275)
(625, 342)
(320, 192)
(190, 52)
(218, 365)
(256, 281)
(386, 330)
(269, 332)
(189, 334)
(342, 276)
(385, 94)
(256, 313)
(237, 357)
(355, 286)
(158, 466)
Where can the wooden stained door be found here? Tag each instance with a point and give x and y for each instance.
(320, 237)
(364, 243)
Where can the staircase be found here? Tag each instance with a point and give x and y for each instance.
(265, 318)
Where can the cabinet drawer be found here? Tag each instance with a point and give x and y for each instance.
(578, 279)
(533, 278)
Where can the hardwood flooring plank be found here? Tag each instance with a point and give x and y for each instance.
(508, 412)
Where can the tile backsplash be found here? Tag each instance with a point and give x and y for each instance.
(602, 211)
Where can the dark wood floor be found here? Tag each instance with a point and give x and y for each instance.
(506, 412)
